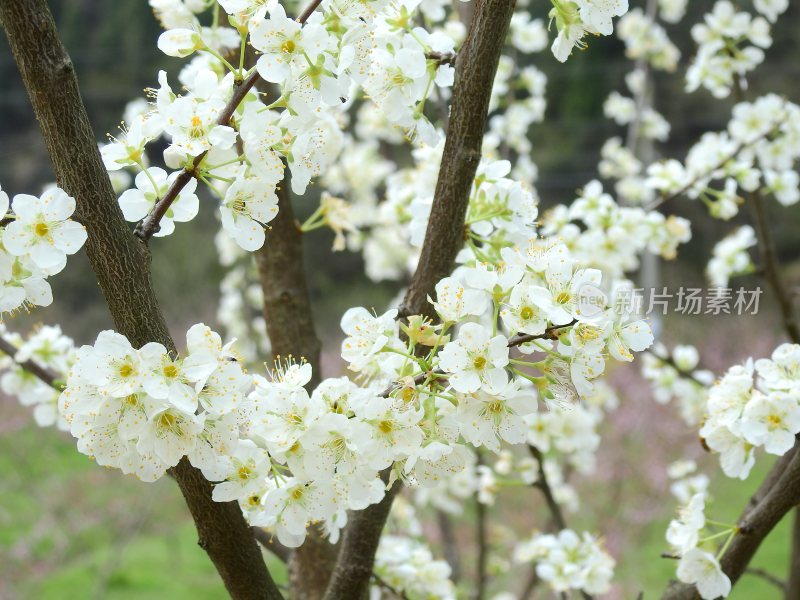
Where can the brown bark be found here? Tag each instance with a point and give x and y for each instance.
(45, 374)
(755, 524)
(354, 566)
(121, 265)
(476, 66)
(287, 305)
(290, 325)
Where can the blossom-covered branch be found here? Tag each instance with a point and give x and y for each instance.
(676, 185)
(476, 67)
(45, 374)
(150, 224)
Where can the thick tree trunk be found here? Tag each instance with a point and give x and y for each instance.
(121, 265)
(476, 67)
(287, 305)
(290, 325)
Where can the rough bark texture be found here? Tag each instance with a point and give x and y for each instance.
(290, 325)
(287, 306)
(476, 66)
(756, 523)
(121, 264)
(356, 559)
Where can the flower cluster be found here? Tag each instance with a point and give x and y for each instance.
(49, 348)
(342, 53)
(407, 567)
(291, 456)
(645, 39)
(686, 482)
(756, 154)
(142, 410)
(672, 11)
(731, 257)
(674, 376)
(35, 239)
(754, 405)
(568, 561)
(696, 565)
(575, 19)
(624, 111)
(731, 43)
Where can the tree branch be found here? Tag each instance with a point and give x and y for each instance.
(754, 525)
(771, 265)
(544, 486)
(476, 65)
(290, 326)
(708, 172)
(779, 492)
(121, 265)
(385, 585)
(552, 505)
(449, 545)
(668, 360)
(356, 560)
(271, 543)
(151, 223)
(772, 273)
(45, 374)
(287, 304)
(767, 576)
(792, 586)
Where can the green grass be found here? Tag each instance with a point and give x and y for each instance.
(69, 529)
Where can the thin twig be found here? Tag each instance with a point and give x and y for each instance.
(388, 587)
(547, 491)
(555, 510)
(442, 58)
(449, 544)
(549, 334)
(151, 223)
(46, 374)
(668, 360)
(708, 172)
(766, 576)
(269, 542)
(771, 266)
(530, 586)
